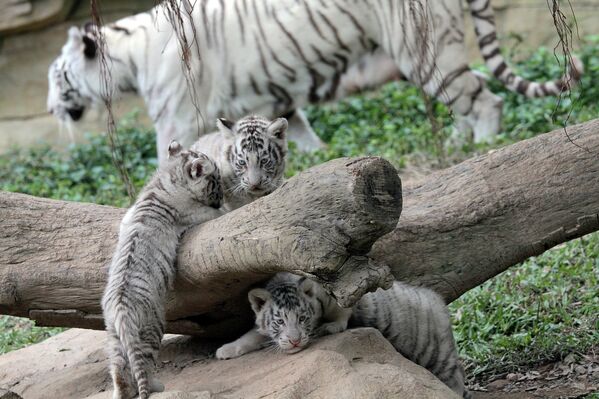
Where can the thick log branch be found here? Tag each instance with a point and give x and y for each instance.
(321, 223)
(463, 225)
(459, 227)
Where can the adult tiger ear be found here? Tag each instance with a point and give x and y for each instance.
(258, 298)
(278, 128)
(225, 126)
(74, 34)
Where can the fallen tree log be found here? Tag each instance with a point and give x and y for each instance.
(322, 222)
(465, 224)
(459, 227)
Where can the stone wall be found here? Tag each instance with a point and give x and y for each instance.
(33, 31)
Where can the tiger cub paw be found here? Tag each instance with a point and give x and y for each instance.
(229, 351)
(330, 328)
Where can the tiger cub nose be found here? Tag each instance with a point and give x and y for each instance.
(294, 342)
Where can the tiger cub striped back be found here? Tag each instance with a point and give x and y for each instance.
(416, 322)
(250, 154)
(185, 190)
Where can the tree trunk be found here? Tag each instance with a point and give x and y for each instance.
(321, 223)
(459, 227)
(465, 224)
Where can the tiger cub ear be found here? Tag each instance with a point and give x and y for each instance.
(202, 165)
(307, 287)
(174, 148)
(225, 126)
(258, 298)
(277, 128)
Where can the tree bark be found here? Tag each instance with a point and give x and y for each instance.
(321, 223)
(459, 227)
(465, 224)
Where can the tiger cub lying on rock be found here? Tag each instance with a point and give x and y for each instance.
(291, 310)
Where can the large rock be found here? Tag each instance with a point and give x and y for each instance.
(358, 364)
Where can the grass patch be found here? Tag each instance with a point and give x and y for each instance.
(17, 332)
(535, 312)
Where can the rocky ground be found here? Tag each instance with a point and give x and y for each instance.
(574, 377)
(356, 364)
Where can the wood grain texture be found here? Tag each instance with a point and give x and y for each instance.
(463, 225)
(321, 223)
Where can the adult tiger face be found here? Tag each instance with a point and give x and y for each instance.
(69, 93)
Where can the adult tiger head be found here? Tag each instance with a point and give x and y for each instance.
(75, 79)
(69, 92)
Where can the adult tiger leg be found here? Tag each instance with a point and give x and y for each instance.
(426, 40)
(301, 132)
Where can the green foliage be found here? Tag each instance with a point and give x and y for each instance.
(86, 171)
(536, 312)
(393, 122)
(16, 333)
(539, 311)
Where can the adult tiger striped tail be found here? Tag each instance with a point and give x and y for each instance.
(484, 27)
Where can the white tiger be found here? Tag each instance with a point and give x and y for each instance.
(291, 311)
(250, 155)
(185, 190)
(273, 56)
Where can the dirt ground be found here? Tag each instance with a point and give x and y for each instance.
(574, 377)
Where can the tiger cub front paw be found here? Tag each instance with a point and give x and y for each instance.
(330, 328)
(229, 351)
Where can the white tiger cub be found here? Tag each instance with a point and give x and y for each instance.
(292, 310)
(287, 316)
(250, 155)
(185, 190)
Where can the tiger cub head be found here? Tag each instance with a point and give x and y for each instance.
(193, 173)
(287, 312)
(257, 152)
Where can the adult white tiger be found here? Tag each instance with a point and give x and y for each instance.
(272, 56)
